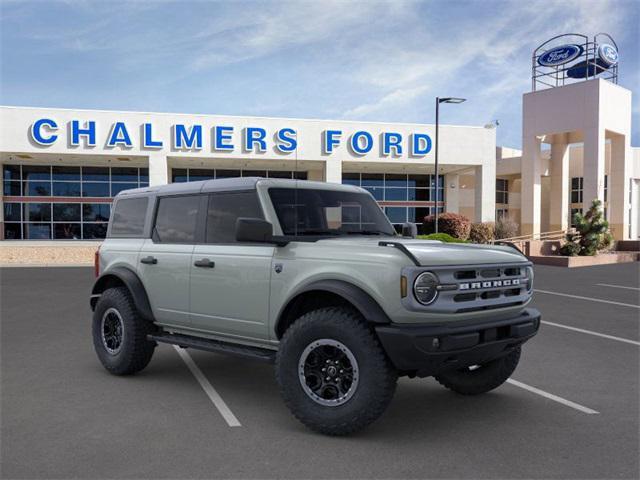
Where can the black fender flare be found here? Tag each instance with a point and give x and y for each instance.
(131, 281)
(361, 300)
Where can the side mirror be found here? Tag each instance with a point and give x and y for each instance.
(409, 230)
(253, 230)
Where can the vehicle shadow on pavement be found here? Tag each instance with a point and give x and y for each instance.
(420, 406)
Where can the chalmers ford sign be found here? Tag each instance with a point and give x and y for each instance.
(221, 138)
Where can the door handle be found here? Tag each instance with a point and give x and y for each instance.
(149, 260)
(204, 263)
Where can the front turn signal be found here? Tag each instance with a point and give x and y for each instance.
(403, 286)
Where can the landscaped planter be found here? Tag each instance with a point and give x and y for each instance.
(601, 259)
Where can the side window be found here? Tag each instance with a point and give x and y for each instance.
(176, 219)
(128, 217)
(224, 209)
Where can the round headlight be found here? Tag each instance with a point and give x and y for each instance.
(425, 288)
(529, 279)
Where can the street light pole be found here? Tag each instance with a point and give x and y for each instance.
(438, 102)
(436, 162)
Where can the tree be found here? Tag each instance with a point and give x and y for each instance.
(592, 233)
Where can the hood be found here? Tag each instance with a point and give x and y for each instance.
(433, 252)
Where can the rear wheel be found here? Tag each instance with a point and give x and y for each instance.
(333, 373)
(481, 378)
(120, 334)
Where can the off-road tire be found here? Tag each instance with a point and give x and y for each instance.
(377, 377)
(483, 379)
(136, 351)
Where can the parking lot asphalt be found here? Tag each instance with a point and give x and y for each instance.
(64, 416)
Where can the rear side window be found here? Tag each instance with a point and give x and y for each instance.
(176, 219)
(223, 211)
(128, 217)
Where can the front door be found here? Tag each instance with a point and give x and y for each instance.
(230, 281)
(165, 259)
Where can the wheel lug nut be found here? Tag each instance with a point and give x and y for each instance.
(324, 369)
(328, 378)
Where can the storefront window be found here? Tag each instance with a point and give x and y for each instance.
(195, 174)
(64, 215)
(397, 187)
(393, 187)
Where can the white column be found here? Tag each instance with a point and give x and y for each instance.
(618, 188)
(333, 171)
(593, 167)
(559, 205)
(531, 188)
(158, 169)
(485, 192)
(452, 192)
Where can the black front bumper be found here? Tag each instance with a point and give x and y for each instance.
(427, 350)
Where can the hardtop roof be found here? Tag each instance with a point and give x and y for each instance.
(230, 184)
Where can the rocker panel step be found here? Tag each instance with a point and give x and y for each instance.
(217, 346)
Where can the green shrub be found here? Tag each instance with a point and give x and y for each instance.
(484, 232)
(453, 224)
(443, 237)
(506, 228)
(570, 249)
(592, 233)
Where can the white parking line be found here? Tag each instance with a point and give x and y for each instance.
(555, 398)
(590, 332)
(588, 298)
(616, 286)
(213, 395)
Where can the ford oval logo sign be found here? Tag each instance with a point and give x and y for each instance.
(560, 55)
(608, 54)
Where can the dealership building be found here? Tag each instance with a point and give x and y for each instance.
(62, 167)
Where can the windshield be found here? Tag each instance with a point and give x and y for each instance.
(328, 212)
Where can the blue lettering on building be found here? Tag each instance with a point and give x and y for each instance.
(147, 137)
(38, 135)
(255, 136)
(420, 144)
(119, 136)
(361, 142)
(44, 132)
(184, 138)
(390, 141)
(222, 137)
(286, 140)
(89, 132)
(331, 139)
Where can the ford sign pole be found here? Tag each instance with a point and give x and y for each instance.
(438, 102)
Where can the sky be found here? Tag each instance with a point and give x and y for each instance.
(344, 60)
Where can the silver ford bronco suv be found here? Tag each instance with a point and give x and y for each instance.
(312, 277)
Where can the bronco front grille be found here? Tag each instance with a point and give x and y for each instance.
(482, 287)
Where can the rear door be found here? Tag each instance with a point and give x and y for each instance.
(230, 280)
(165, 259)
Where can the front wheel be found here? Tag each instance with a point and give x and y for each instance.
(333, 373)
(481, 378)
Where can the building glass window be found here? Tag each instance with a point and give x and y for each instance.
(195, 174)
(502, 191)
(64, 215)
(502, 213)
(606, 187)
(401, 188)
(576, 190)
